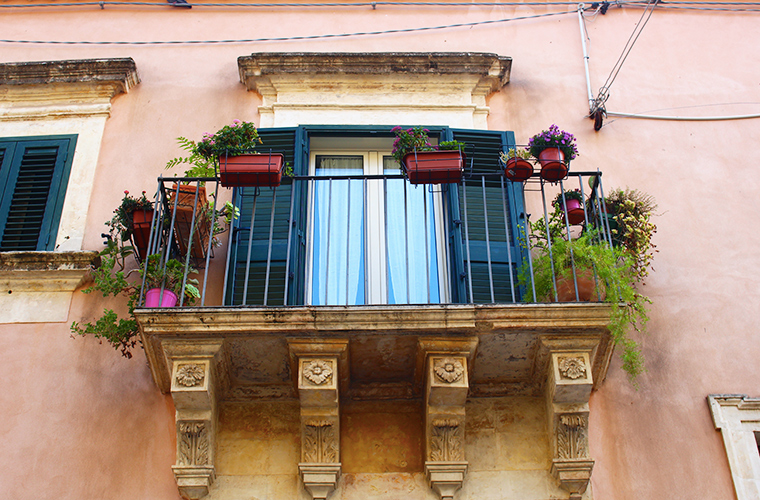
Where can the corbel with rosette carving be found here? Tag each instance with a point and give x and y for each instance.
(446, 382)
(318, 381)
(194, 389)
(569, 384)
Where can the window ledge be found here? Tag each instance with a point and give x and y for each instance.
(45, 271)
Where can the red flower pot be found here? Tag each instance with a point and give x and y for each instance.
(141, 220)
(251, 170)
(518, 169)
(553, 167)
(434, 167)
(154, 298)
(574, 211)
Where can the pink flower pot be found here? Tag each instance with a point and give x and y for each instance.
(153, 298)
(553, 167)
(574, 210)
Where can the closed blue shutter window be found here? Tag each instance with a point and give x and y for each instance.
(33, 175)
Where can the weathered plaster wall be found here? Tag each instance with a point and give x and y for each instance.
(79, 422)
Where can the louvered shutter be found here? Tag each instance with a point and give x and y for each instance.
(503, 201)
(261, 256)
(34, 175)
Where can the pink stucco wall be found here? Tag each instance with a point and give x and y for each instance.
(78, 421)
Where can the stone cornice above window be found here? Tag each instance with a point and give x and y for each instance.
(44, 271)
(374, 87)
(31, 90)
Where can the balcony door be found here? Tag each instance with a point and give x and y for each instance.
(372, 240)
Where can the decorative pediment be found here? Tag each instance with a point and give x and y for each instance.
(372, 88)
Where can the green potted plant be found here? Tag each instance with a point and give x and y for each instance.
(631, 211)
(234, 147)
(600, 271)
(570, 203)
(517, 168)
(133, 218)
(115, 277)
(554, 149)
(424, 163)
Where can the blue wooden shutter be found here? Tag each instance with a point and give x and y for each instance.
(287, 141)
(483, 149)
(33, 175)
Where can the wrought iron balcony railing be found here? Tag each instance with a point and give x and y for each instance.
(349, 239)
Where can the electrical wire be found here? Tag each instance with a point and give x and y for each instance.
(287, 38)
(604, 91)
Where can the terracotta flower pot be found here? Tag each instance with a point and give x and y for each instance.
(183, 221)
(154, 298)
(553, 166)
(574, 210)
(587, 287)
(263, 169)
(141, 220)
(518, 169)
(434, 167)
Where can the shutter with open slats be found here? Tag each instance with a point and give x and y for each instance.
(35, 173)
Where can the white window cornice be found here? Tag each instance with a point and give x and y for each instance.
(445, 88)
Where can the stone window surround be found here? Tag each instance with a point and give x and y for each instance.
(737, 416)
(70, 97)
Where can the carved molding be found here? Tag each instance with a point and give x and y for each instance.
(320, 442)
(448, 370)
(446, 441)
(445, 478)
(192, 443)
(320, 480)
(190, 375)
(572, 367)
(572, 437)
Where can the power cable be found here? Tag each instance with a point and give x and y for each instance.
(285, 39)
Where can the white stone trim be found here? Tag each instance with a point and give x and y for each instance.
(737, 416)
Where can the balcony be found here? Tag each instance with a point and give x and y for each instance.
(440, 287)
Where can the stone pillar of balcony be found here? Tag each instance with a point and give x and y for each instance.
(445, 364)
(569, 386)
(317, 369)
(194, 387)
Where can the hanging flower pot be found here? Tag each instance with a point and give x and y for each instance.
(555, 149)
(434, 167)
(251, 170)
(518, 169)
(553, 166)
(155, 298)
(574, 210)
(141, 221)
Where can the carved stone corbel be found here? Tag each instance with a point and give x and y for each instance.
(568, 389)
(194, 390)
(318, 390)
(446, 387)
